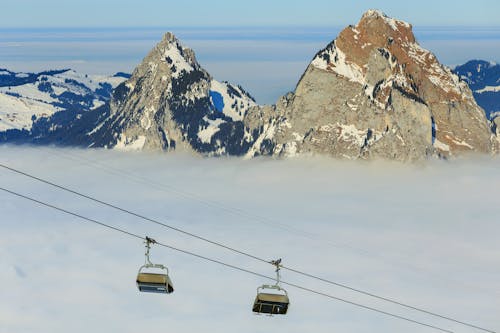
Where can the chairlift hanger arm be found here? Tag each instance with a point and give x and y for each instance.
(148, 241)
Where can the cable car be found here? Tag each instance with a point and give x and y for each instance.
(272, 303)
(153, 281)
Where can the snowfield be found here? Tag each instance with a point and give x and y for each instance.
(426, 235)
(21, 104)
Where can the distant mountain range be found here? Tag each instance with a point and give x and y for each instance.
(371, 93)
(29, 102)
(484, 79)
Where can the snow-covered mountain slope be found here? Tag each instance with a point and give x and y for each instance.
(171, 102)
(374, 92)
(27, 97)
(483, 78)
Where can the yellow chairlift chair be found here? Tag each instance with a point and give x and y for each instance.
(153, 282)
(276, 300)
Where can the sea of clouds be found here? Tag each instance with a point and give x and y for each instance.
(424, 234)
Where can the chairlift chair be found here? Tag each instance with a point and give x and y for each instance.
(153, 282)
(272, 302)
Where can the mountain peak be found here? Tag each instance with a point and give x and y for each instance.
(169, 37)
(374, 25)
(171, 54)
(171, 102)
(393, 90)
(375, 14)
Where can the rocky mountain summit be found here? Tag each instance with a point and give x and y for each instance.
(171, 102)
(374, 93)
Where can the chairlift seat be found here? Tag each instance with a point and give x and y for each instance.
(154, 283)
(271, 303)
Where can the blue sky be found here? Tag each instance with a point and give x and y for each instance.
(263, 45)
(98, 13)
(266, 61)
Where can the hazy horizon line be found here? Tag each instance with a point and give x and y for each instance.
(320, 26)
(245, 55)
(238, 33)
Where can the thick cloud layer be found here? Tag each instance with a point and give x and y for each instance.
(425, 234)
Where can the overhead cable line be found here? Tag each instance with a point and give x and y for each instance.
(232, 249)
(212, 203)
(244, 270)
(252, 217)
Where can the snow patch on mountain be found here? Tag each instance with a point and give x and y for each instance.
(441, 146)
(334, 60)
(206, 134)
(235, 100)
(18, 113)
(173, 54)
(489, 89)
(352, 134)
(130, 144)
(268, 133)
(393, 23)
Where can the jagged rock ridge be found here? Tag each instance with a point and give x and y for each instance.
(171, 102)
(374, 92)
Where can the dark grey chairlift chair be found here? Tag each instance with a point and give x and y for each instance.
(153, 282)
(272, 302)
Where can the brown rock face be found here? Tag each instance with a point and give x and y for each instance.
(495, 138)
(374, 92)
(460, 123)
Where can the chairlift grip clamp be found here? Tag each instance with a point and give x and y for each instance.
(278, 265)
(150, 240)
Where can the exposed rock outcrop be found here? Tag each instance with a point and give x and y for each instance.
(171, 102)
(374, 92)
(495, 128)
